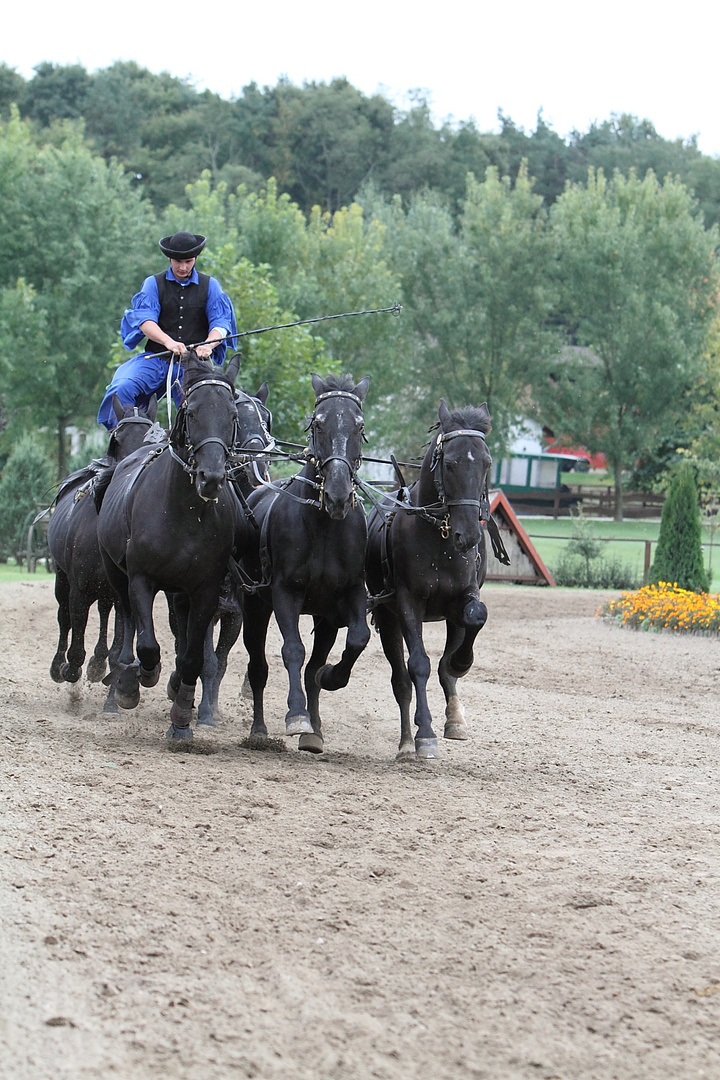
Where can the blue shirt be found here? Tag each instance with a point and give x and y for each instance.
(146, 305)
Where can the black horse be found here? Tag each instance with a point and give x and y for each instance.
(80, 579)
(169, 521)
(247, 469)
(310, 556)
(426, 561)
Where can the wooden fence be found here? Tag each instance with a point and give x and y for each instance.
(596, 501)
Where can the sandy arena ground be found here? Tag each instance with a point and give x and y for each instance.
(541, 902)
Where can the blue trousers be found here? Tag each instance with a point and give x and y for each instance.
(135, 382)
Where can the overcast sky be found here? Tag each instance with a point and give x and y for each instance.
(575, 62)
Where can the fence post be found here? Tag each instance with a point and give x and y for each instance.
(646, 571)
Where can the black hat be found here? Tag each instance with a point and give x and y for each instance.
(183, 245)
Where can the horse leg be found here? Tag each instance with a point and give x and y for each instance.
(426, 744)
(201, 609)
(178, 605)
(110, 705)
(147, 671)
(79, 610)
(62, 595)
(455, 726)
(323, 641)
(335, 676)
(98, 661)
(125, 690)
(287, 616)
(208, 677)
(474, 617)
(230, 627)
(255, 627)
(393, 646)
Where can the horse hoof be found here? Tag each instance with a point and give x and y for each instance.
(426, 748)
(205, 721)
(110, 708)
(96, 668)
(298, 725)
(406, 752)
(173, 685)
(456, 730)
(175, 732)
(150, 678)
(319, 675)
(56, 673)
(70, 674)
(127, 701)
(311, 741)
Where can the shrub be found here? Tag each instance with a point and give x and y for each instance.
(678, 555)
(582, 566)
(573, 571)
(27, 479)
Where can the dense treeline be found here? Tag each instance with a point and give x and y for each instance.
(572, 281)
(323, 142)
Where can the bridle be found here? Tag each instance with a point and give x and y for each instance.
(180, 429)
(244, 453)
(319, 462)
(437, 462)
(126, 421)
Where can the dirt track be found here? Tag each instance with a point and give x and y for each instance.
(543, 901)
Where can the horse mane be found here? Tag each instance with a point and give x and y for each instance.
(476, 417)
(196, 369)
(339, 382)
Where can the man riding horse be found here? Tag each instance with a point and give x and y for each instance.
(174, 309)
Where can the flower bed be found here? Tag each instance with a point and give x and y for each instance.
(665, 607)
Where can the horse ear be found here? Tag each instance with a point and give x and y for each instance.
(262, 393)
(233, 367)
(152, 408)
(362, 388)
(118, 407)
(443, 412)
(318, 384)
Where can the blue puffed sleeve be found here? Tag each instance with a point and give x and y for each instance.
(145, 305)
(220, 312)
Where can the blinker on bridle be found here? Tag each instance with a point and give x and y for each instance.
(482, 504)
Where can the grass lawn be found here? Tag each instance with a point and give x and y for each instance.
(625, 541)
(11, 572)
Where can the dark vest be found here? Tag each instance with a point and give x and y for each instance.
(182, 311)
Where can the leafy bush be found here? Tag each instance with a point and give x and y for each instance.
(26, 479)
(678, 555)
(582, 566)
(574, 571)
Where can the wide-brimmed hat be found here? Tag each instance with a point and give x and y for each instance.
(183, 245)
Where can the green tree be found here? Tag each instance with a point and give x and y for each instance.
(12, 90)
(77, 236)
(678, 555)
(476, 295)
(56, 92)
(637, 284)
(26, 479)
(331, 264)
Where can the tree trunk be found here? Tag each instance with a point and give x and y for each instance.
(617, 471)
(62, 457)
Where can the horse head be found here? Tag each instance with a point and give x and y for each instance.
(336, 435)
(205, 425)
(460, 466)
(134, 426)
(253, 436)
